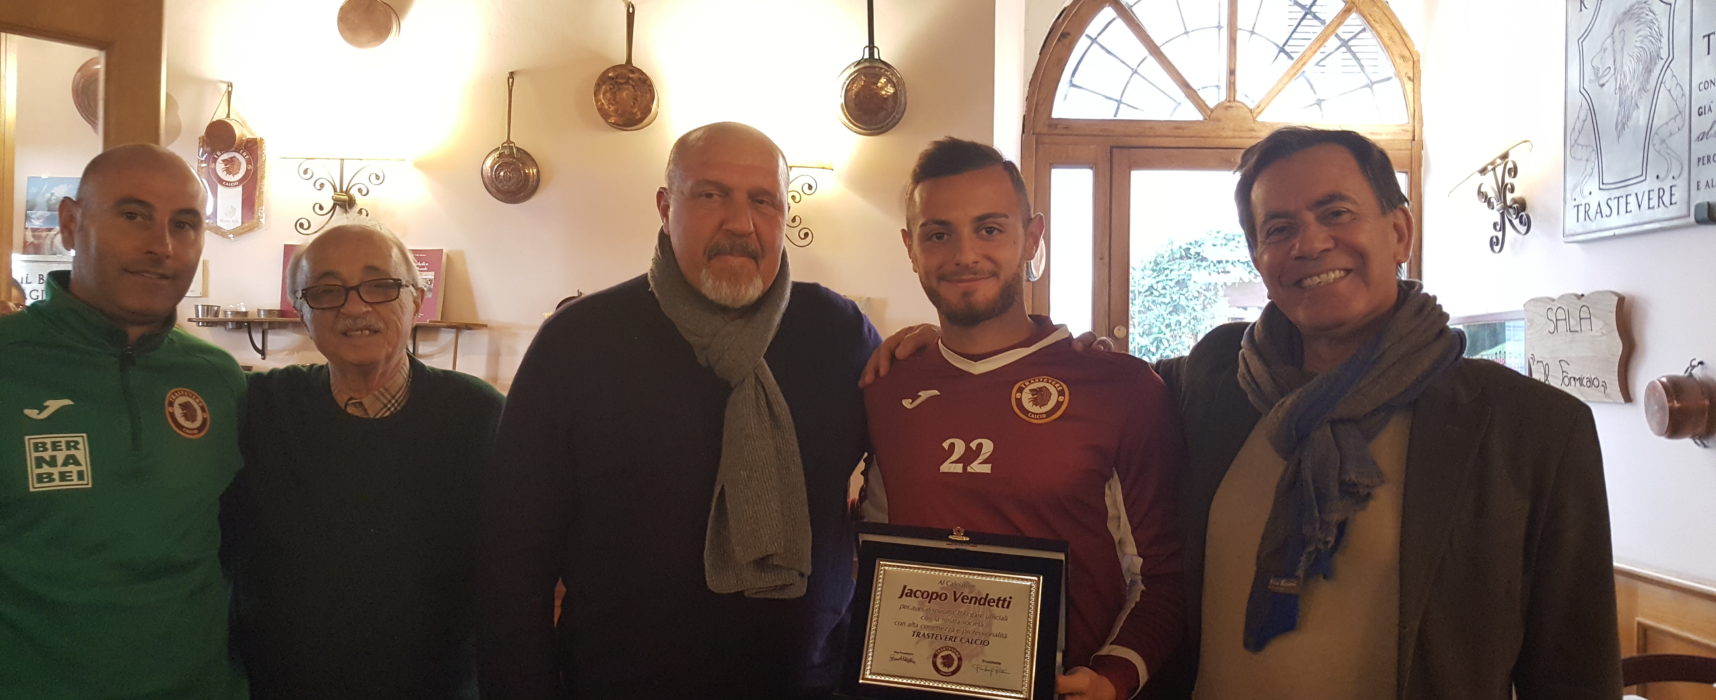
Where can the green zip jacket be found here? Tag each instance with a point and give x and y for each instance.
(113, 458)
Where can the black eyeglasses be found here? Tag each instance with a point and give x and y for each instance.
(332, 296)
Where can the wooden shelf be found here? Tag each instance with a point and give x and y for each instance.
(251, 323)
(214, 321)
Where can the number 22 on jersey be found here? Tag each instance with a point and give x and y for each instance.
(956, 448)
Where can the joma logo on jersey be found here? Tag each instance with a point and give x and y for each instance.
(57, 461)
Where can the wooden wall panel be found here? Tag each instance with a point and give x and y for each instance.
(1664, 615)
(134, 70)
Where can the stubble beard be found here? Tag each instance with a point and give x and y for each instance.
(955, 313)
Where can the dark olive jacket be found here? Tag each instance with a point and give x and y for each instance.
(1506, 575)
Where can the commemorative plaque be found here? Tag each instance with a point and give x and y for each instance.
(940, 614)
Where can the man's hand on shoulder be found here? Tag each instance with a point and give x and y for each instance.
(7, 307)
(1084, 684)
(1091, 341)
(902, 344)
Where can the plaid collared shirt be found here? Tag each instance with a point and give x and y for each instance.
(385, 401)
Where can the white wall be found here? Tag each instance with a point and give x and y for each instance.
(1488, 83)
(436, 96)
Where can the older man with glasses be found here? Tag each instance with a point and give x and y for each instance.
(351, 531)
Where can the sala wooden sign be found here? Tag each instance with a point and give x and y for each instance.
(1578, 343)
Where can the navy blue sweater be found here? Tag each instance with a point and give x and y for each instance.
(353, 540)
(604, 469)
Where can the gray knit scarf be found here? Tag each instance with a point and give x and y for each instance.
(1322, 426)
(758, 539)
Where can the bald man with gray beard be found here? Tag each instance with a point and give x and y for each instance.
(676, 450)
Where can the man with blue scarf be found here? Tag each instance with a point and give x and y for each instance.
(1368, 514)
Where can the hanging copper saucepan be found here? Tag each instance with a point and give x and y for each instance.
(625, 96)
(224, 133)
(872, 93)
(1681, 405)
(509, 173)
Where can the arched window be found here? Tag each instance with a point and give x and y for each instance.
(1136, 116)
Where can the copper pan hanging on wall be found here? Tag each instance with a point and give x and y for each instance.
(510, 173)
(223, 134)
(625, 96)
(367, 24)
(872, 93)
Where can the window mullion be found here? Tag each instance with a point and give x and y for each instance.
(1305, 58)
(1132, 23)
(1232, 50)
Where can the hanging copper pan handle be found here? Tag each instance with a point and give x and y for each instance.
(625, 96)
(509, 172)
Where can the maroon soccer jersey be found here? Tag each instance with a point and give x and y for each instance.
(1045, 441)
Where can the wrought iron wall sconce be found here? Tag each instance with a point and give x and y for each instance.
(1498, 195)
(802, 184)
(346, 188)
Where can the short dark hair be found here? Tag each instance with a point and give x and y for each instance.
(953, 156)
(1288, 140)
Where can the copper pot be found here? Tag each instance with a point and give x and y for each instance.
(872, 92)
(1679, 406)
(223, 134)
(509, 172)
(625, 96)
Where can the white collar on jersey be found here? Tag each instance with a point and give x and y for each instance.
(997, 361)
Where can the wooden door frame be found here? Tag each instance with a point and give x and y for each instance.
(1074, 156)
(131, 34)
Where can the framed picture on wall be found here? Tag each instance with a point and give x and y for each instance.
(1498, 337)
(1640, 126)
(42, 197)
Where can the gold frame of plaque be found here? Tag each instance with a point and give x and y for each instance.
(940, 614)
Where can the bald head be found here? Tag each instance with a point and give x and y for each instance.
(716, 135)
(133, 157)
(137, 227)
(724, 211)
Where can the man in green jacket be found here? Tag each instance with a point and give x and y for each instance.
(125, 433)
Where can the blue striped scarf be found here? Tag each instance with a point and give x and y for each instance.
(1322, 426)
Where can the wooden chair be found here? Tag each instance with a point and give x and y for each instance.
(1667, 668)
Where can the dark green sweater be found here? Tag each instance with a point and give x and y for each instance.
(115, 455)
(353, 539)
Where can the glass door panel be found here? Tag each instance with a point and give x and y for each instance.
(1072, 209)
(1189, 269)
(1187, 266)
